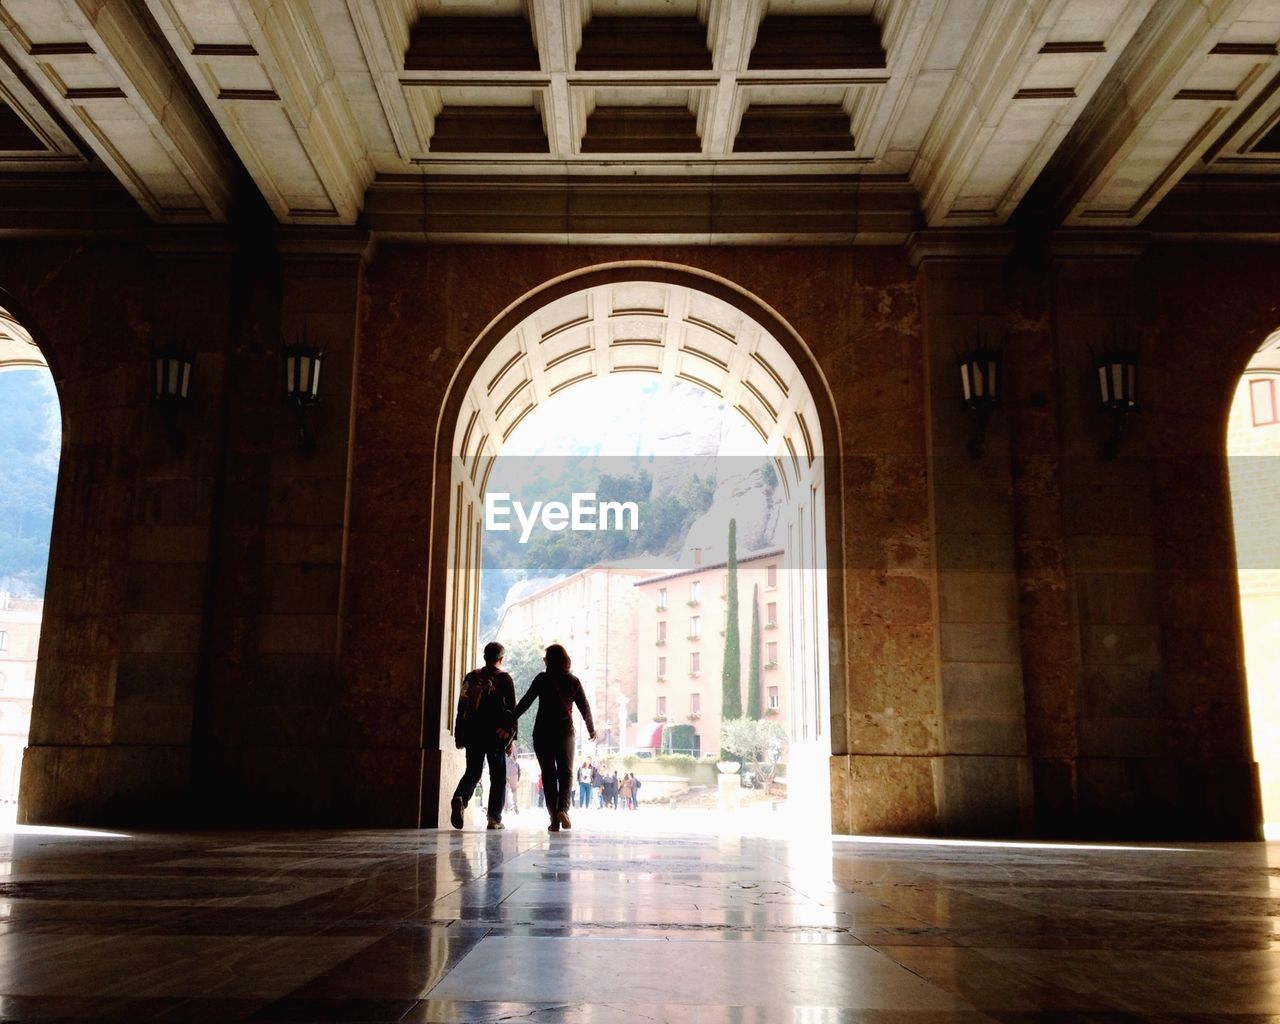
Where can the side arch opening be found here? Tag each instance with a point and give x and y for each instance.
(672, 325)
(1253, 457)
(30, 452)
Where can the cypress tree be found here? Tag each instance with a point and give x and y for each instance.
(731, 678)
(755, 705)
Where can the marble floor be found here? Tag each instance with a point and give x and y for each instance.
(627, 925)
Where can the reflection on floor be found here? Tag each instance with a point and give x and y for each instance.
(615, 927)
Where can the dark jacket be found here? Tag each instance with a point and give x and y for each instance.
(556, 696)
(478, 726)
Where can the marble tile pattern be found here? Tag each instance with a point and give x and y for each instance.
(583, 928)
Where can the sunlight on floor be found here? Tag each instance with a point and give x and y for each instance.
(9, 828)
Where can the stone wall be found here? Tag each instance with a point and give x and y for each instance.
(1039, 641)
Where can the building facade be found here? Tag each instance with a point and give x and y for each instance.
(682, 621)
(19, 645)
(593, 613)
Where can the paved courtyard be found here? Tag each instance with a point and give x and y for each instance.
(630, 926)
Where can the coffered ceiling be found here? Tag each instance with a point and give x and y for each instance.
(1102, 106)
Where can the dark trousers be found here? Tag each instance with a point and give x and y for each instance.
(497, 758)
(555, 758)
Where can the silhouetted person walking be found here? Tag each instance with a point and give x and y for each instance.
(556, 690)
(484, 726)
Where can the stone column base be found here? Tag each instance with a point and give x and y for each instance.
(105, 785)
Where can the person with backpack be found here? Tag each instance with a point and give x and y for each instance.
(556, 690)
(484, 726)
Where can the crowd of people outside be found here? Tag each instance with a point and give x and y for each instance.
(486, 726)
(601, 787)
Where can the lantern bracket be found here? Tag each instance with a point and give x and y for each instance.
(301, 362)
(981, 380)
(1117, 372)
(171, 365)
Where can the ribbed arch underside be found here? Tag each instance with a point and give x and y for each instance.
(645, 327)
(17, 349)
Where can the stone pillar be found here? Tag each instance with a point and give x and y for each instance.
(270, 720)
(310, 720)
(1126, 779)
(1048, 630)
(884, 706)
(120, 648)
(983, 775)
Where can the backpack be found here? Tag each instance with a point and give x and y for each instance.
(481, 713)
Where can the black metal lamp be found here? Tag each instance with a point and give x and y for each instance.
(171, 367)
(302, 363)
(1118, 392)
(980, 382)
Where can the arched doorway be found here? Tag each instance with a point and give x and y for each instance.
(1253, 450)
(30, 444)
(656, 319)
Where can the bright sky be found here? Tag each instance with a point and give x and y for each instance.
(633, 415)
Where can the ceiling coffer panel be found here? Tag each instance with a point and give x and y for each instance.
(471, 44)
(798, 42)
(641, 129)
(621, 43)
(793, 128)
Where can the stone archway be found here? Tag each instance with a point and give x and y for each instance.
(21, 577)
(1253, 445)
(651, 318)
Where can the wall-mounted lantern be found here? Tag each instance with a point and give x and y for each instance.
(301, 364)
(980, 383)
(1118, 393)
(171, 367)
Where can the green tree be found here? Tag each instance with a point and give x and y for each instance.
(755, 705)
(760, 744)
(522, 662)
(731, 676)
(679, 738)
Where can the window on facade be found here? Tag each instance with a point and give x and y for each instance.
(662, 631)
(695, 703)
(2, 681)
(662, 666)
(1262, 397)
(4, 640)
(771, 653)
(695, 661)
(662, 705)
(695, 590)
(771, 613)
(695, 625)
(662, 599)
(773, 698)
(772, 577)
